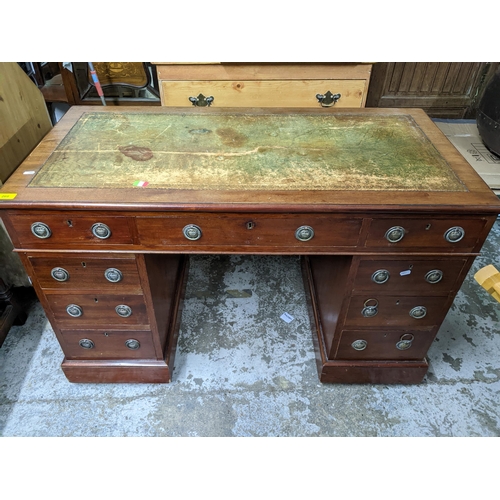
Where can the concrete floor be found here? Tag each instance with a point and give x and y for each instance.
(241, 370)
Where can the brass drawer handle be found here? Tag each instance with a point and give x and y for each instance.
(192, 232)
(123, 311)
(395, 234)
(405, 341)
(132, 344)
(86, 343)
(434, 276)
(304, 233)
(359, 345)
(418, 312)
(454, 234)
(59, 274)
(370, 308)
(41, 230)
(101, 231)
(201, 101)
(74, 310)
(113, 275)
(381, 276)
(328, 99)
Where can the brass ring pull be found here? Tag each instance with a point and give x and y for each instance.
(359, 345)
(418, 312)
(59, 274)
(381, 276)
(41, 230)
(454, 234)
(201, 101)
(405, 341)
(434, 276)
(328, 99)
(132, 344)
(123, 311)
(192, 232)
(101, 231)
(74, 310)
(304, 233)
(86, 343)
(370, 308)
(395, 234)
(113, 275)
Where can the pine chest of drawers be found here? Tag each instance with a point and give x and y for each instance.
(385, 213)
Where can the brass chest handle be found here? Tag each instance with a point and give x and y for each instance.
(405, 341)
(370, 308)
(201, 101)
(113, 275)
(304, 233)
(59, 274)
(74, 310)
(328, 99)
(41, 230)
(101, 231)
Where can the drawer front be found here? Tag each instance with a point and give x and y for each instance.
(425, 234)
(264, 93)
(72, 273)
(384, 344)
(96, 309)
(393, 310)
(221, 230)
(58, 231)
(108, 344)
(408, 276)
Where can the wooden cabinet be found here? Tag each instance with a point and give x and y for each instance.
(386, 239)
(263, 85)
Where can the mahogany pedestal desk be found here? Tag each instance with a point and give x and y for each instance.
(385, 212)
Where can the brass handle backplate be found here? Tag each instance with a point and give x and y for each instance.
(201, 101)
(370, 308)
(86, 343)
(74, 310)
(101, 231)
(395, 234)
(454, 234)
(328, 99)
(123, 311)
(381, 276)
(304, 233)
(192, 232)
(59, 274)
(132, 344)
(113, 275)
(434, 276)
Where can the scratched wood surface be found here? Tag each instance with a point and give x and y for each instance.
(345, 151)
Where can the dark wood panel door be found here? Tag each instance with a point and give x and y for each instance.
(442, 89)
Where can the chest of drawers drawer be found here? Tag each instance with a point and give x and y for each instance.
(89, 310)
(264, 93)
(409, 276)
(108, 344)
(428, 234)
(87, 272)
(276, 231)
(60, 231)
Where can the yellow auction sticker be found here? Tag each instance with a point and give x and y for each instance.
(7, 196)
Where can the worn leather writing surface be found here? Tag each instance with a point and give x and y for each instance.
(345, 151)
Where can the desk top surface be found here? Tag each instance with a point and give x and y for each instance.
(220, 159)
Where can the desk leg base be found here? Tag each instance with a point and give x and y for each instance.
(373, 372)
(114, 372)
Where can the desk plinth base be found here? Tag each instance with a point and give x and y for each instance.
(113, 372)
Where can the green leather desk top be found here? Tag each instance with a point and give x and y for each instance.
(244, 152)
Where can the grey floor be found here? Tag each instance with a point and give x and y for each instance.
(241, 370)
